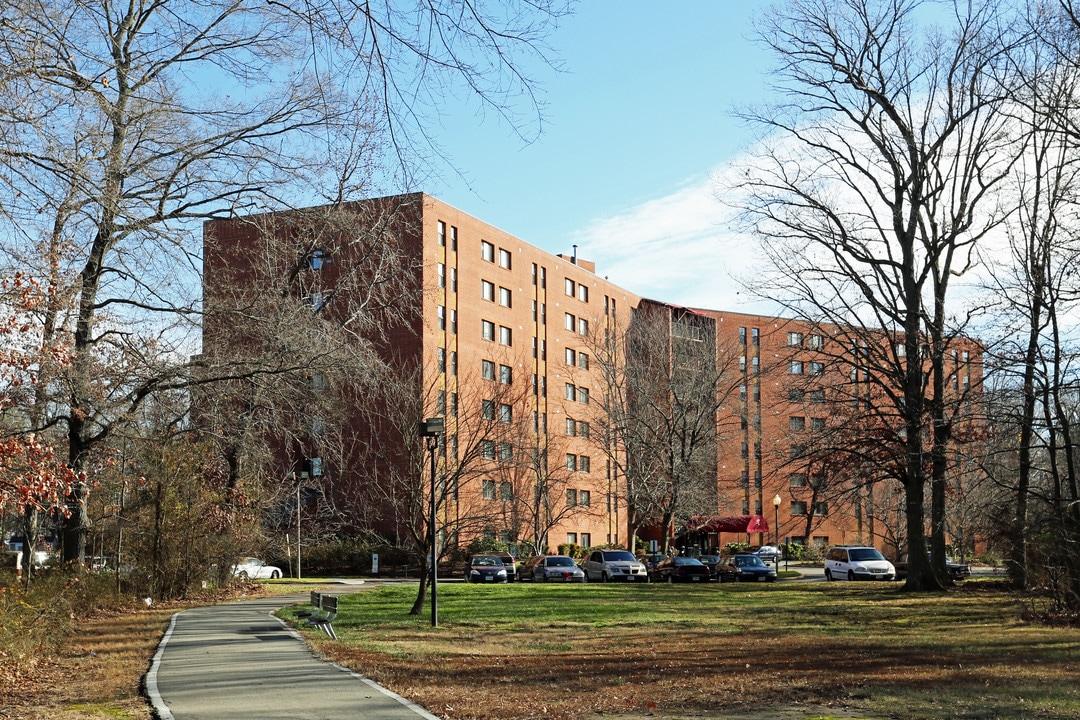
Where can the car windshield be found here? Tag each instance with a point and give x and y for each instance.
(710, 558)
(859, 554)
(748, 561)
(619, 555)
(560, 562)
(487, 561)
(687, 561)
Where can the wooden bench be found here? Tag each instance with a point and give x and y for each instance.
(315, 606)
(325, 615)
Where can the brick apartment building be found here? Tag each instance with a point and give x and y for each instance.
(516, 349)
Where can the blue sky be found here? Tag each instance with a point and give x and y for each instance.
(638, 131)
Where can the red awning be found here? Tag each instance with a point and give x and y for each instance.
(731, 523)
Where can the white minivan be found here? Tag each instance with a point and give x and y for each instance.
(852, 562)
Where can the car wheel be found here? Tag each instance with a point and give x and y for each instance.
(604, 577)
(275, 575)
(242, 575)
(850, 575)
(671, 579)
(828, 575)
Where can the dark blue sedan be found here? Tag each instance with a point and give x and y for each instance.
(747, 567)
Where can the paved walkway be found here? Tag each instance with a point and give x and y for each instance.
(239, 661)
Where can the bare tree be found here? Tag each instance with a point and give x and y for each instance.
(872, 195)
(125, 124)
(661, 417)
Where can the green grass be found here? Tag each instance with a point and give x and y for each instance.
(963, 654)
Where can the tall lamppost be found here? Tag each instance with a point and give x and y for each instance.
(776, 507)
(431, 429)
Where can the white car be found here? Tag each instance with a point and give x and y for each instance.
(850, 562)
(255, 569)
(608, 565)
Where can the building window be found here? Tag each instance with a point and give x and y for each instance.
(817, 424)
(505, 336)
(440, 271)
(815, 342)
(442, 233)
(794, 367)
(504, 297)
(534, 273)
(543, 350)
(487, 449)
(506, 491)
(543, 313)
(817, 481)
(441, 315)
(571, 391)
(571, 462)
(821, 508)
(453, 362)
(506, 413)
(798, 507)
(797, 479)
(571, 427)
(487, 409)
(583, 293)
(453, 279)
(584, 498)
(817, 397)
(744, 450)
(586, 540)
(571, 538)
(487, 369)
(453, 238)
(489, 489)
(795, 395)
(543, 278)
(316, 300)
(742, 336)
(442, 360)
(571, 357)
(453, 322)
(797, 423)
(794, 339)
(504, 258)
(487, 290)
(506, 452)
(487, 329)
(583, 326)
(569, 322)
(798, 451)
(755, 337)
(583, 395)
(569, 287)
(584, 465)
(817, 368)
(583, 428)
(487, 251)
(742, 363)
(583, 360)
(453, 404)
(506, 374)
(318, 259)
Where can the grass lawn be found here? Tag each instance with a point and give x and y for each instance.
(777, 650)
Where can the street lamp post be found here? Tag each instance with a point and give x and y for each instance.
(776, 507)
(431, 429)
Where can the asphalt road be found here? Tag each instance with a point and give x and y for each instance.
(236, 661)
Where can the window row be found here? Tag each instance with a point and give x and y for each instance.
(576, 324)
(442, 317)
(453, 361)
(798, 507)
(487, 292)
(487, 371)
(441, 273)
(487, 251)
(506, 490)
(577, 393)
(487, 332)
(797, 423)
(442, 408)
(505, 411)
(578, 463)
(578, 498)
(488, 450)
(442, 236)
(577, 359)
(798, 340)
(798, 367)
(755, 336)
(581, 292)
(817, 480)
(577, 428)
(586, 539)
(798, 395)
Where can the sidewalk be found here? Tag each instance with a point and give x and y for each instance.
(239, 661)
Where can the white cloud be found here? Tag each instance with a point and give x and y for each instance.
(679, 248)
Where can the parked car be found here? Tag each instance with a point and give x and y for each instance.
(607, 565)
(714, 562)
(681, 569)
(651, 561)
(957, 570)
(554, 568)
(853, 562)
(769, 553)
(746, 567)
(255, 569)
(511, 566)
(485, 569)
